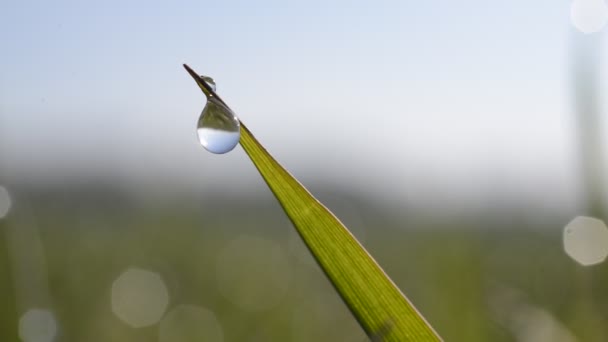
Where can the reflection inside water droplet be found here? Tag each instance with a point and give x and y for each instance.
(218, 128)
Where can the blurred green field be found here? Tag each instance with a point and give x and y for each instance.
(501, 277)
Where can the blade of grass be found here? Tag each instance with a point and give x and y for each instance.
(382, 310)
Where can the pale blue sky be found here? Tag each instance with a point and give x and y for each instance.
(433, 96)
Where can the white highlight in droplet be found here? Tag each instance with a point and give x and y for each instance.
(253, 273)
(5, 202)
(37, 325)
(190, 323)
(589, 16)
(586, 240)
(139, 297)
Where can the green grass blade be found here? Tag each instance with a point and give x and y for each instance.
(379, 306)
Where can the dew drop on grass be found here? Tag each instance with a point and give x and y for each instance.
(209, 81)
(218, 128)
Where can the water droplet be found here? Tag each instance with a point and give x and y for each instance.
(218, 128)
(209, 81)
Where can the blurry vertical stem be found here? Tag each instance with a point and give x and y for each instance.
(586, 50)
(381, 309)
(586, 64)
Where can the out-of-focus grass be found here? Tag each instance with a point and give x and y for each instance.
(475, 283)
(8, 315)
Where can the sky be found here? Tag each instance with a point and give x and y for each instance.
(460, 100)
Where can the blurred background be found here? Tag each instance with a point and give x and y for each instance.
(461, 142)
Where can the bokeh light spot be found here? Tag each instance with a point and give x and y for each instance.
(5, 202)
(586, 240)
(526, 322)
(190, 323)
(589, 16)
(253, 273)
(37, 325)
(139, 297)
